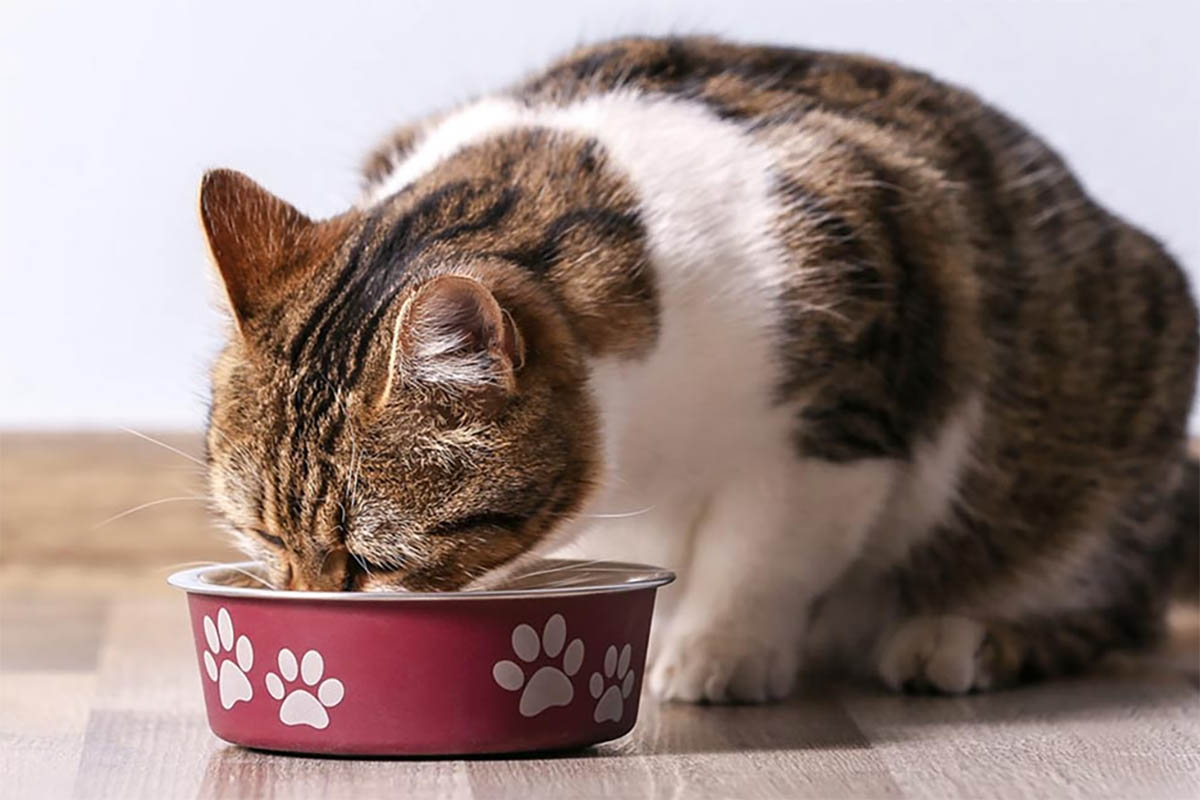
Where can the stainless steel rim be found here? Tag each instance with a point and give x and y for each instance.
(640, 576)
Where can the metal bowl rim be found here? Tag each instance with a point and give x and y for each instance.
(638, 577)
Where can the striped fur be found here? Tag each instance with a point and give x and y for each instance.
(850, 350)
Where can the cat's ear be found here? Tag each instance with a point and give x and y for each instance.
(256, 240)
(453, 332)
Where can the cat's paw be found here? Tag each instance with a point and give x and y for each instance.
(936, 654)
(725, 667)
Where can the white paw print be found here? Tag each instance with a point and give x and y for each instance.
(230, 677)
(611, 705)
(549, 686)
(301, 707)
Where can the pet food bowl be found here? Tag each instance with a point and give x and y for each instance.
(554, 660)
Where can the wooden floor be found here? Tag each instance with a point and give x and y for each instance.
(100, 694)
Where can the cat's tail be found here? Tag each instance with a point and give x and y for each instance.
(1186, 540)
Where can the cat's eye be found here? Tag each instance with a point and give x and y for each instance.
(274, 541)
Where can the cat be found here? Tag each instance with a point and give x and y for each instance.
(845, 347)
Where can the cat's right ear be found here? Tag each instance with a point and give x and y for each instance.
(451, 332)
(258, 242)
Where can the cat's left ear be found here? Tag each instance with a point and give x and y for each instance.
(452, 332)
(260, 243)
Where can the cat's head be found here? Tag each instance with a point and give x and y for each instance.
(386, 419)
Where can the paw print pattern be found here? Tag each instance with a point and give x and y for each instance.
(611, 705)
(230, 675)
(549, 686)
(301, 706)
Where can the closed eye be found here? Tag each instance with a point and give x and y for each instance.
(489, 519)
(274, 541)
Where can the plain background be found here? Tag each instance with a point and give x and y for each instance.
(111, 111)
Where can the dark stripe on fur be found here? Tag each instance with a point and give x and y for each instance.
(543, 256)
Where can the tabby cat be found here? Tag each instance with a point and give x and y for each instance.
(850, 350)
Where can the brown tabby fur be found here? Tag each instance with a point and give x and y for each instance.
(958, 251)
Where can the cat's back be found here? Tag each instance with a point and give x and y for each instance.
(935, 221)
(761, 91)
(764, 85)
(961, 255)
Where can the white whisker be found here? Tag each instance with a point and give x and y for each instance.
(186, 564)
(362, 564)
(164, 445)
(619, 515)
(135, 509)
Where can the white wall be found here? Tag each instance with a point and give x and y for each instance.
(111, 110)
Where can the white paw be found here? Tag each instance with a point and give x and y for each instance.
(230, 674)
(611, 705)
(713, 667)
(300, 706)
(940, 652)
(549, 686)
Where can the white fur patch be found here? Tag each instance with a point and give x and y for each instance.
(467, 126)
(778, 531)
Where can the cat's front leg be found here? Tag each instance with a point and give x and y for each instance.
(773, 540)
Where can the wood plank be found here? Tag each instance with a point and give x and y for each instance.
(42, 720)
(807, 747)
(235, 773)
(51, 630)
(1093, 737)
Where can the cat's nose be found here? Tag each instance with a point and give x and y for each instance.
(326, 572)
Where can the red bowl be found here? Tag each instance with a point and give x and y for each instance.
(413, 673)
